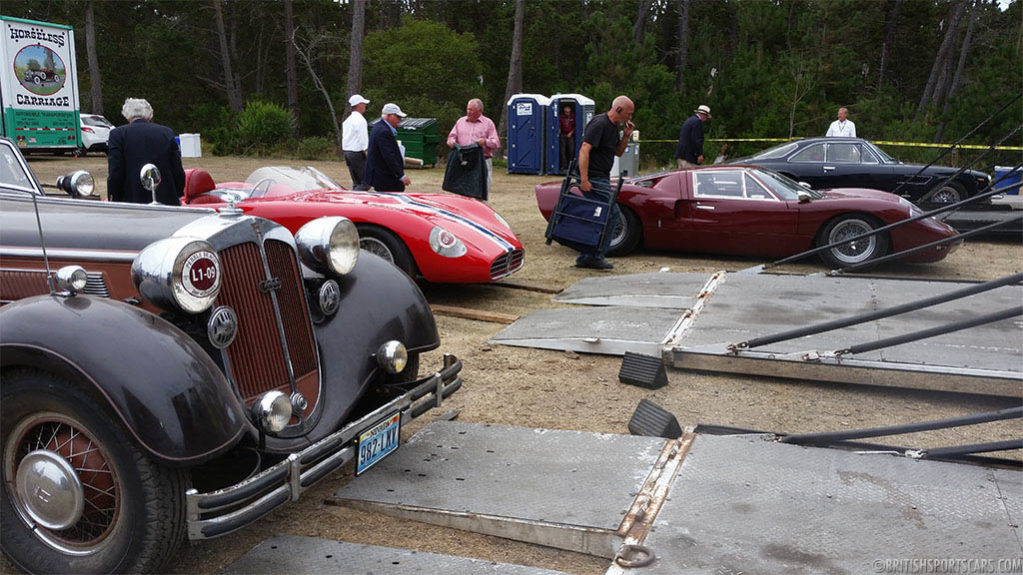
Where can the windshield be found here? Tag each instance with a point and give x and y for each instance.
(297, 179)
(880, 153)
(783, 186)
(12, 173)
(779, 151)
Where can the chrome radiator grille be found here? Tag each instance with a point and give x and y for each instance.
(506, 264)
(257, 359)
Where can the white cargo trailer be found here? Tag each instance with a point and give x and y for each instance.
(39, 85)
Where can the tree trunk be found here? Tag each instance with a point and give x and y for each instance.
(954, 85)
(639, 26)
(326, 95)
(940, 60)
(290, 71)
(234, 97)
(891, 24)
(514, 85)
(95, 87)
(682, 52)
(945, 76)
(355, 50)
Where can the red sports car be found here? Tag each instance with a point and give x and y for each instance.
(443, 238)
(744, 210)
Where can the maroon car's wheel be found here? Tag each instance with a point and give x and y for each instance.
(626, 235)
(78, 495)
(847, 227)
(381, 242)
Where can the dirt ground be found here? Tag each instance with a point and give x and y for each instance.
(536, 388)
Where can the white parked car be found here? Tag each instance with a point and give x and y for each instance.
(95, 131)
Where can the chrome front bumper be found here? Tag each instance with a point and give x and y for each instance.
(225, 510)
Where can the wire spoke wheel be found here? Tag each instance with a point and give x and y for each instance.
(73, 507)
(377, 248)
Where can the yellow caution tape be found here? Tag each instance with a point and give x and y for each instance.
(877, 142)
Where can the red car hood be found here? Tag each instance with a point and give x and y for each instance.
(438, 208)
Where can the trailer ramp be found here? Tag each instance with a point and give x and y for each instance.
(699, 504)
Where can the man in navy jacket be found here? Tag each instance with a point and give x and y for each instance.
(136, 144)
(689, 152)
(385, 168)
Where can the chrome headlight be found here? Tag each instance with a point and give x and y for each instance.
(272, 411)
(503, 221)
(330, 243)
(72, 279)
(445, 243)
(178, 274)
(392, 356)
(79, 183)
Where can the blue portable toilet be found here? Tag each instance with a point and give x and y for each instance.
(527, 115)
(583, 109)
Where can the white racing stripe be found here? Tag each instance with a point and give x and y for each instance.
(418, 206)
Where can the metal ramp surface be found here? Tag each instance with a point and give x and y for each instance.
(713, 504)
(731, 308)
(287, 554)
(564, 489)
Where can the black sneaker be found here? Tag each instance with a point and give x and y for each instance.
(594, 264)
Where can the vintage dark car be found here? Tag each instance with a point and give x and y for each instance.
(827, 163)
(745, 210)
(170, 372)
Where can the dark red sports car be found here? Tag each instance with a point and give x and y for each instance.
(744, 210)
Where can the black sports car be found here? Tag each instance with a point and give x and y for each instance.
(826, 163)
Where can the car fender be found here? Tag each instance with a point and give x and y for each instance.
(164, 387)
(379, 303)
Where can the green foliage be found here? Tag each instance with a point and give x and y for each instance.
(263, 125)
(317, 148)
(427, 69)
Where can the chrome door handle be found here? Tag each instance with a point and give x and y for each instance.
(701, 207)
(829, 168)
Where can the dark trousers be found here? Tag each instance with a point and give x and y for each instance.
(567, 150)
(356, 168)
(602, 190)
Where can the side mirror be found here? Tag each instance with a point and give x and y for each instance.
(77, 184)
(151, 179)
(804, 197)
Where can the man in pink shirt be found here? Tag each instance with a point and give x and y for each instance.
(475, 128)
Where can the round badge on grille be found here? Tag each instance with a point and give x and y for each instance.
(330, 297)
(200, 275)
(222, 327)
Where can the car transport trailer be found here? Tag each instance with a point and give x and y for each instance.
(699, 503)
(698, 323)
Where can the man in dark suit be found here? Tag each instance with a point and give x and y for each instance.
(385, 168)
(136, 144)
(689, 152)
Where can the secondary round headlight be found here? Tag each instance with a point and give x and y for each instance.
(392, 356)
(445, 243)
(72, 279)
(330, 243)
(272, 411)
(178, 274)
(78, 183)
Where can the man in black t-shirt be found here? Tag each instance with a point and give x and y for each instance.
(596, 157)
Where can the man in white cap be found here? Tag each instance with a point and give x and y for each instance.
(385, 168)
(689, 152)
(355, 141)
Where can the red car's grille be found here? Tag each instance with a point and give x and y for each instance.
(507, 264)
(256, 357)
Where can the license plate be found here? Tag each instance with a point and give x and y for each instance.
(378, 442)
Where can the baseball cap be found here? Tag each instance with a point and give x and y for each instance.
(392, 109)
(356, 99)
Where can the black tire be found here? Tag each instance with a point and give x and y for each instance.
(386, 244)
(627, 234)
(848, 226)
(949, 193)
(132, 518)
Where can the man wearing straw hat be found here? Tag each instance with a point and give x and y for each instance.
(689, 152)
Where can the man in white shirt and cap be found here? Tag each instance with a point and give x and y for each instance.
(841, 128)
(355, 141)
